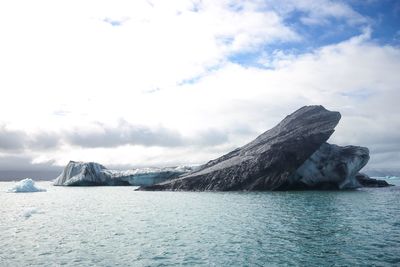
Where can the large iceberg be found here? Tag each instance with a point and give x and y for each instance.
(293, 155)
(25, 186)
(91, 173)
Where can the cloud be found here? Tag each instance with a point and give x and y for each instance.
(43, 141)
(99, 135)
(385, 161)
(170, 40)
(162, 84)
(11, 139)
(24, 163)
(356, 77)
(105, 136)
(17, 167)
(124, 134)
(18, 140)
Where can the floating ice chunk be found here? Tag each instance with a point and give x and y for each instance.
(25, 186)
(30, 211)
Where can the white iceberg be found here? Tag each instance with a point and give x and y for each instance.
(27, 213)
(390, 177)
(92, 174)
(26, 185)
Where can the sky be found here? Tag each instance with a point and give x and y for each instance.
(162, 83)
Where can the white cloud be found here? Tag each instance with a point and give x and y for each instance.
(65, 66)
(67, 53)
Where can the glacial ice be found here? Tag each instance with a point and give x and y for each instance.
(388, 177)
(27, 213)
(332, 164)
(91, 173)
(26, 185)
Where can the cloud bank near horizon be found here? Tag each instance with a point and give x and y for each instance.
(139, 83)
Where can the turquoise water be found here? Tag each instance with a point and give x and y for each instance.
(117, 226)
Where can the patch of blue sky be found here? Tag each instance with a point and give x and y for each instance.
(313, 37)
(383, 17)
(360, 94)
(329, 31)
(248, 59)
(114, 22)
(191, 80)
(197, 78)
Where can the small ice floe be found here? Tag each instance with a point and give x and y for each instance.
(30, 211)
(24, 186)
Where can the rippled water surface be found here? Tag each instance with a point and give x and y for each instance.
(117, 226)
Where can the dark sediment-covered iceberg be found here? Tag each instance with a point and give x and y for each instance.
(366, 181)
(91, 173)
(292, 155)
(331, 167)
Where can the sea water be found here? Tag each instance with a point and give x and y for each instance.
(117, 226)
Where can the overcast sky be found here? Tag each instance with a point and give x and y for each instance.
(141, 83)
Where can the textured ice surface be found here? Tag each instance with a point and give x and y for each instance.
(27, 213)
(26, 185)
(91, 173)
(333, 164)
(389, 177)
